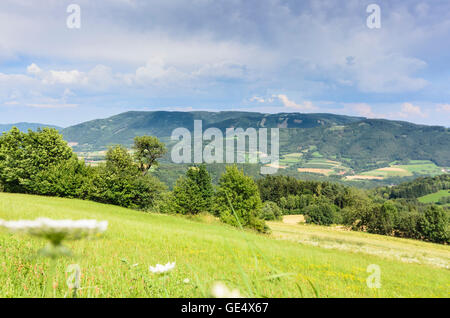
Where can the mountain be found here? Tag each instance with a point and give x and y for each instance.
(372, 143)
(25, 126)
(360, 142)
(122, 128)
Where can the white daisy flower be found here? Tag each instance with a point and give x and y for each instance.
(162, 269)
(56, 230)
(220, 290)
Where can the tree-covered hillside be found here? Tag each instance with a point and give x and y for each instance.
(362, 144)
(25, 126)
(122, 128)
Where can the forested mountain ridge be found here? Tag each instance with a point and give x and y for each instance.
(363, 143)
(25, 126)
(123, 127)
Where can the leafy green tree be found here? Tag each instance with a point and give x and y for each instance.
(321, 213)
(434, 225)
(24, 155)
(193, 193)
(271, 212)
(382, 219)
(238, 201)
(120, 182)
(187, 197)
(202, 178)
(70, 179)
(148, 150)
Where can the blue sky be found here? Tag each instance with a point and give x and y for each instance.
(256, 55)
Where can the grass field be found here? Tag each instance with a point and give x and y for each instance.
(434, 197)
(420, 167)
(281, 265)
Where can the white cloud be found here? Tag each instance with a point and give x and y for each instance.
(363, 109)
(409, 110)
(52, 105)
(257, 99)
(445, 108)
(33, 69)
(11, 103)
(306, 106)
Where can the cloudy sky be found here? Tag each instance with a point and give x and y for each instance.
(256, 55)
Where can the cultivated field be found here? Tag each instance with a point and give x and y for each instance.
(333, 264)
(419, 167)
(434, 197)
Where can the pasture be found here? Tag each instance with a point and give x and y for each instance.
(282, 264)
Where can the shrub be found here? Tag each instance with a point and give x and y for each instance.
(321, 214)
(164, 203)
(71, 179)
(408, 225)
(382, 219)
(237, 201)
(270, 211)
(120, 182)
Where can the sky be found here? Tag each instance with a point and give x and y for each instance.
(312, 56)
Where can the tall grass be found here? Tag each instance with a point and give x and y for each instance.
(116, 265)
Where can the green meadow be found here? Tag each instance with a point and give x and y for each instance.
(434, 197)
(294, 261)
(415, 167)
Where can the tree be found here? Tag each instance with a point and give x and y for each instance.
(382, 219)
(238, 202)
(320, 213)
(148, 150)
(120, 182)
(434, 225)
(202, 178)
(193, 193)
(24, 155)
(271, 211)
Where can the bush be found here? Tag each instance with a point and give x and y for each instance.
(164, 203)
(408, 225)
(382, 219)
(70, 179)
(120, 182)
(238, 202)
(434, 225)
(270, 211)
(320, 214)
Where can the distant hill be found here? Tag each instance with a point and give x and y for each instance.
(359, 142)
(124, 127)
(25, 126)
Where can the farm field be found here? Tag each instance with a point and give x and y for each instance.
(418, 167)
(205, 251)
(434, 197)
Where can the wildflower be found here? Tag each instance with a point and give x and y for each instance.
(162, 269)
(220, 290)
(186, 281)
(56, 230)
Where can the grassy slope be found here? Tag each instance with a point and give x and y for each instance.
(204, 253)
(434, 197)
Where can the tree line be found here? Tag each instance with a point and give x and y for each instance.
(42, 163)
